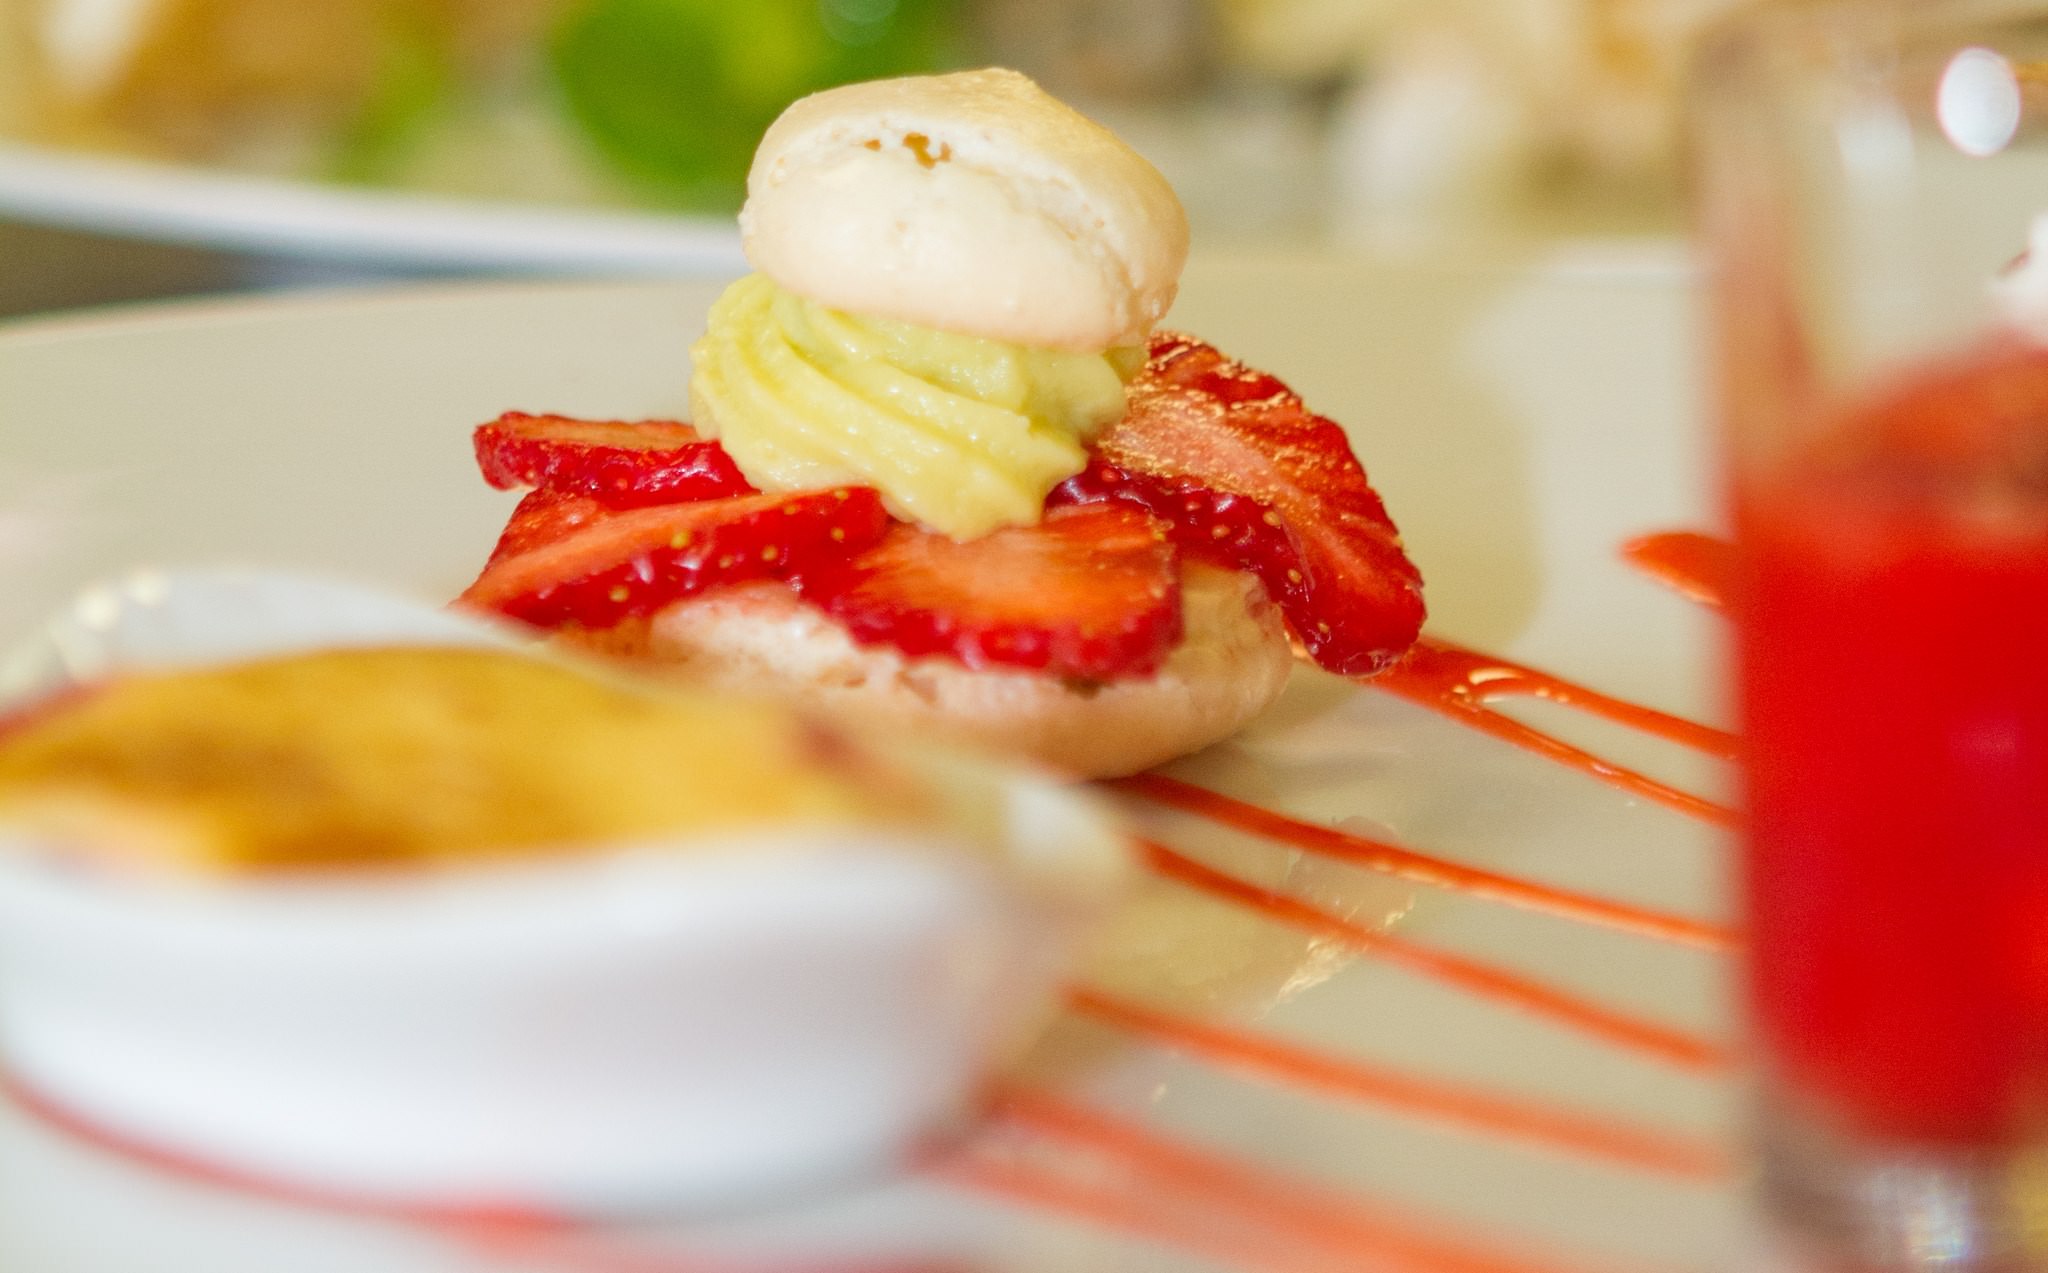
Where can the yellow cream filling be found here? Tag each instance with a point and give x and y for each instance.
(960, 434)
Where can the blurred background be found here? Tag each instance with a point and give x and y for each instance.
(164, 147)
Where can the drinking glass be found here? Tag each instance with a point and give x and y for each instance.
(1866, 175)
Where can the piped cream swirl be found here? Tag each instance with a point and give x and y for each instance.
(960, 433)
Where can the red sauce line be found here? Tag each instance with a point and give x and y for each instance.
(1461, 683)
(1474, 678)
(1311, 1216)
(1449, 1103)
(1162, 1192)
(1218, 1239)
(1693, 565)
(476, 1219)
(1408, 864)
(1572, 1011)
(565, 1241)
(588, 1249)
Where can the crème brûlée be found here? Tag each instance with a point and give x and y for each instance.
(465, 926)
(944, 470)
(412, 757)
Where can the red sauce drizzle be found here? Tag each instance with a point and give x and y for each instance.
(1408, 864)
(1152, 1187)
(478, 1218)
(566, 1242)
(1143, 1210)
(1693, 565)
(1158, 1188)
(1461, 683)
(1446, 1102)
(1572, 1011)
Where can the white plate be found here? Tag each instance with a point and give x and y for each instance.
(1521, 423)
(366, 227)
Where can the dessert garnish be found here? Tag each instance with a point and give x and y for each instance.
(1245, 475)
(939, 416)
(623, 464)
(573, 559)
(1089, 592)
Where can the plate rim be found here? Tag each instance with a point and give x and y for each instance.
(391, 228)
(200, 206)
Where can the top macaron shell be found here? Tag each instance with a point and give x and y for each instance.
(973, 202)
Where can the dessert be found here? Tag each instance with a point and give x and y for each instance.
(442, 921)
(315, 762)
(944, 471)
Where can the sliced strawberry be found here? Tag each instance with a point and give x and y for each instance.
(625, 464)
(1092, 593)
(1248, 476)
(607, 565)
(543, 517)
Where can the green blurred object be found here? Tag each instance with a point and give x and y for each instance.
(415, 78)
(677, 92)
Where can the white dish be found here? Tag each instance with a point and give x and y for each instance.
(1521, 420)
(381, 228)
(624, 1027)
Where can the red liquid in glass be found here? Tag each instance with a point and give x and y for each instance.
(1894, 638)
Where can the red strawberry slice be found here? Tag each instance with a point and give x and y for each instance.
(542, 518)
(1092, 593)
(625, 464)
(1248, 476)
(605, 565)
